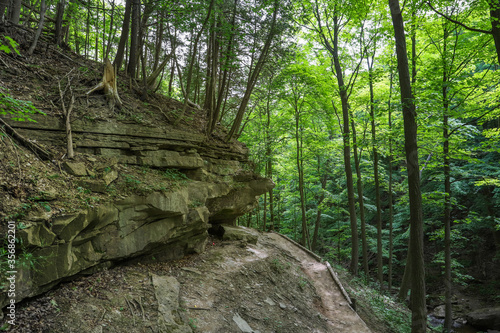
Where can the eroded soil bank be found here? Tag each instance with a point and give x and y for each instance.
(234, 286)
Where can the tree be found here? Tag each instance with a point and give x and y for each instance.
(494, 9)
(120, 52)
(255, 71)
(134, 38)
(327, 26)
(415, 249)
(38, 33)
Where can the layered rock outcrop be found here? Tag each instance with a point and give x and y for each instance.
(164, 224)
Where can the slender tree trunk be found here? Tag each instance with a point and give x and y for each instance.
(120, 52)
(104, 30)
(391, 208)
(43, 8)
(380, 264)
(264, 219)
(159, 41)
(112, 30)
(87, 35)
(134, 38)
(448, 319)
(222, 87)
(324, 178)
(406, 283)
(191, 63)
(364, 241)
(269, 163)
(254, 75)
(416, 247)
(61, 6)
(15, 13)
(96, 27)
(300, 172)
(347, 152)
(171, 79)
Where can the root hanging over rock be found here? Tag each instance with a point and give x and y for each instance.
(108, 83)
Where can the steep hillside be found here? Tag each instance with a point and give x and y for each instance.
(136, 186)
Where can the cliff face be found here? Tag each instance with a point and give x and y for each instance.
(201, 185)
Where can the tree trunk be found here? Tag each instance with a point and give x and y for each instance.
(15, 13)
(416, 247)
(112, 30)
(61, 6)
(159, 41)
(391, 208)
(96, 27)
(254, 75)
(364, 242)
(269, 164)
(222, 86)
(347, 151)
(324, 178)
(495, 24)
(87, 34)
(380, 264)
(120, 52)
(134, 38)
(264, 219)
(43, 8)
(191, 63)
(4, 4)
(300, 172)
(448, 319)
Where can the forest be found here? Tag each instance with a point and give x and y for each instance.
(378, 121)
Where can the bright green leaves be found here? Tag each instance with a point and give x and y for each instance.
(9, 45)
(19, 108)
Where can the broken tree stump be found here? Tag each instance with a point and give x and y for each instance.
(108, 83)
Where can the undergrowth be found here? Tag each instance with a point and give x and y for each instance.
(381, 311)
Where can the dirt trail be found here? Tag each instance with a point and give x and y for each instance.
(274, 286)
(268, 286)
(341, 317)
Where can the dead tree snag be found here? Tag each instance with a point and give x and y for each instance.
(108, 83)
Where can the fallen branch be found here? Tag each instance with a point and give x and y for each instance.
(36, 149)
(67, 117)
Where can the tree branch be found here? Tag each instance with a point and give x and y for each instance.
(457, 22)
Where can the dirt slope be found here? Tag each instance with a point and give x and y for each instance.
(271, 286)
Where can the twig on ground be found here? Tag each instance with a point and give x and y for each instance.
(130, 307)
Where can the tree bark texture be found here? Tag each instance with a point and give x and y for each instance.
(134, 38)
(43, 8)
(120, 52)
(416, 248)
(359, 186)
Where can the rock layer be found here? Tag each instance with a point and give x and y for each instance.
(167, 225)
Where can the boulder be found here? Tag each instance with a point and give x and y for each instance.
(485, 319)
(240, 233)
(167, 294)
(75, 168)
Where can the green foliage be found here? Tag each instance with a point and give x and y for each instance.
(174, 174)
(21, 109)
(11, 45)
